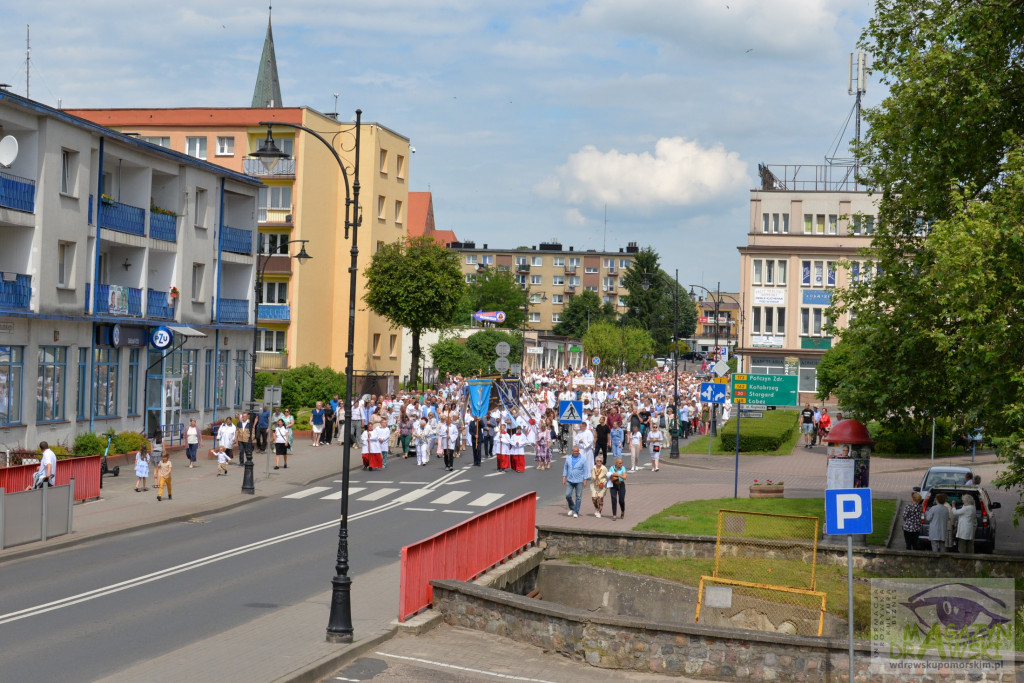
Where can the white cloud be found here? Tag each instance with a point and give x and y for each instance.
(575, 218)
(680, 172)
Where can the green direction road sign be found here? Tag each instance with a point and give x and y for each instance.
(770, 390)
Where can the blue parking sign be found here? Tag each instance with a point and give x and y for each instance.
(848, 512)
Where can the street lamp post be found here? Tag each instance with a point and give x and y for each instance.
(339, 624)
(248, 483)
(646, 284)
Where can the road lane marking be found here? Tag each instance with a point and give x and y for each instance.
(312, 491)
(459, 512)
(414, 483)
(337, 494)
(421, 509)
(377, 481)
(493, 474)
(464, 668)
(378, 494)
(486, 499)
(449, 498)
(413, 496)
(457, 481)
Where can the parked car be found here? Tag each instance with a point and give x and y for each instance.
(984, 534)
(945, 475)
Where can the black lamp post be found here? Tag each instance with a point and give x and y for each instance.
(646, 284)
(339, 625)
(248, 484)
(717, 297)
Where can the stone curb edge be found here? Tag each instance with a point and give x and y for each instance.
(325, 666)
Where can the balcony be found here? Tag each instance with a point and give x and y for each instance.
(612, 272)
(122, 218)
(271, 360)
(15, 291)
(90, 218)
(570, 269)
(284, 167)
(157, 305)
(522, 267)
(163, 227)
(232, 310)
(271, 215)
(278, 312)
(236, 240)
(116, 300)
(17, 193)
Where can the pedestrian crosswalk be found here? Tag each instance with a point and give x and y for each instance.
(394, 495)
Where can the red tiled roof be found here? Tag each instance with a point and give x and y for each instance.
(421, 213)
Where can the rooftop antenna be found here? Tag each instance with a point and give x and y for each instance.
(858, 86)
(28, 59)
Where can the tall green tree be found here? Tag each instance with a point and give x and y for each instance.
(653, 308)
(621, 347)
(475, 354)
(416, 284)
(498, 290)
(582, 311)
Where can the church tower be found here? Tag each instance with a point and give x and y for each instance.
(268, 87)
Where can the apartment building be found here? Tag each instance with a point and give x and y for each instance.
(804, 221)
(126, 294)
(727, 334)
(553, 275)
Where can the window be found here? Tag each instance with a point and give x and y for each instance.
(380, 245)
(785, 224)
(780, 272)
(808, 375)
(398, 211)
(470, 259)
(208, 381)
(53, 367)
(607, 300)
(220, 392)
(591, 270)
(558, 299)
(608, 284)
(609, 265)
(470, 278)
(861, 271)
(399, 166)
(780, 321)
(521, 279)
(65, 264)
(817, 273)
(274, 293)
(10, 377)
(381, 207)
(240, 366)
(814, 224)
(133, 381)
(189, 377)
(591, 288)
(558, 280)
(200, 208)
(80, 400)
(383, 162)
(392, 345)
(534, 317)
(272, 341)
(195, 147)
(521, 260)
(558, 262)
(768, 320)
(624, 301)
(812, 321)
(556, 317)
(574, 280)
(769, 272)
(535, 279)
(156, 140)
(755, 320)
(105, 382)
(833, 223)
(225, 146)
(275, 197)
(574, 261)
(487, 260)
(198, 275)
(767, 366)
(376, 344)
(623, 263)
(758, 267)
(537, 261)
(68, 168)
(830, 273)
(535, 297)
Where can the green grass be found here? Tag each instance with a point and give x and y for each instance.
(773, 422)
(700, 517)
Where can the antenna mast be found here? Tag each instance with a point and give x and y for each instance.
(28, 59)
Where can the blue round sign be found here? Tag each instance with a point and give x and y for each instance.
(597, 361)
(161, 338)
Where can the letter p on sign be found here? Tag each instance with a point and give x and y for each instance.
(849, 508)
(848, 512)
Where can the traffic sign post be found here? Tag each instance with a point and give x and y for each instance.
(776, 390)
(847, 513)
(713, 392)
(570, 412)
(597, 360)
(502, 364)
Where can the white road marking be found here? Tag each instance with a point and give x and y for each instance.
(312, 491)
(493, 474)
(459, 512)
(486, 499)
(420, 509)
(464, 668)
(449, 498)
(457, 481)
(414, 483)
(413, 496)
(378, 494)
(337, 494)
(374, 481)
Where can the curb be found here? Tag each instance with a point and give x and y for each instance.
(325, 666)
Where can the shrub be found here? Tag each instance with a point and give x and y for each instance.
(763, 435)
(88, 444)
(127, 442)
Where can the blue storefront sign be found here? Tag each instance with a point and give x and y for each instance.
(817, 297)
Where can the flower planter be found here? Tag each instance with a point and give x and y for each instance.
(767, 491)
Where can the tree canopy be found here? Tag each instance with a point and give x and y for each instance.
(621, 348)
(653, 308)
(582, 311)
(416, 284)
(498, 290)
(475, 355)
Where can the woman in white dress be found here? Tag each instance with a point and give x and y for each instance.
(654, 441)
(142, 468)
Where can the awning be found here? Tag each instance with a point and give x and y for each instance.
(185, 331)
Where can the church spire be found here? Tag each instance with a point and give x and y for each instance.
(268, 87)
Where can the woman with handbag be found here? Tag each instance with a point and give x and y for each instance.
(654, 441)
(617, 483)
(598, 485)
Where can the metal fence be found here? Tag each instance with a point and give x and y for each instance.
(756, 583)
(36, 515)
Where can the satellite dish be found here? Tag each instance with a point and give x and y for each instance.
(8, 151)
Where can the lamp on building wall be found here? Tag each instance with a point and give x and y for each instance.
(339, 624)
(126, 264)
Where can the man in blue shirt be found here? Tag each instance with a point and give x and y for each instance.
(574, 477)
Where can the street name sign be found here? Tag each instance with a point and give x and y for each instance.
(774, 390)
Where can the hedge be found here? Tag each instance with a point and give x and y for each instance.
(759, 435)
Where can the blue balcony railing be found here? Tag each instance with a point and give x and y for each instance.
(127, 301)
(274, 312)
(15, 291)
(90, 216)
(87, 297)
(236, 240)
(123, 218)
(17, 193)
(163, 227)
(232, 310)
(157, 305)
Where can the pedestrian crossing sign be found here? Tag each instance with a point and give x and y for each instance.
(570, 412)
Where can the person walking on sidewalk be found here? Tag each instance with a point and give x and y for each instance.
(635, 444)
(807, 424)
(226, 435)
(574, 478)
(222, 459)
(654, 440)
(243, 434)
(617, 477)
(193, 440)
(316, 421)
(598, 485)
(912, 521)
(262, 425)
(280, 444)
(142, 467)
(163, 473)
(542, 449)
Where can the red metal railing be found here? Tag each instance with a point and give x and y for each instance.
(84, 470)
(465, 551)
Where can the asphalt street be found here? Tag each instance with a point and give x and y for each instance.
(92, 610)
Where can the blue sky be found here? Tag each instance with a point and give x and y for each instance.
(528, 118)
